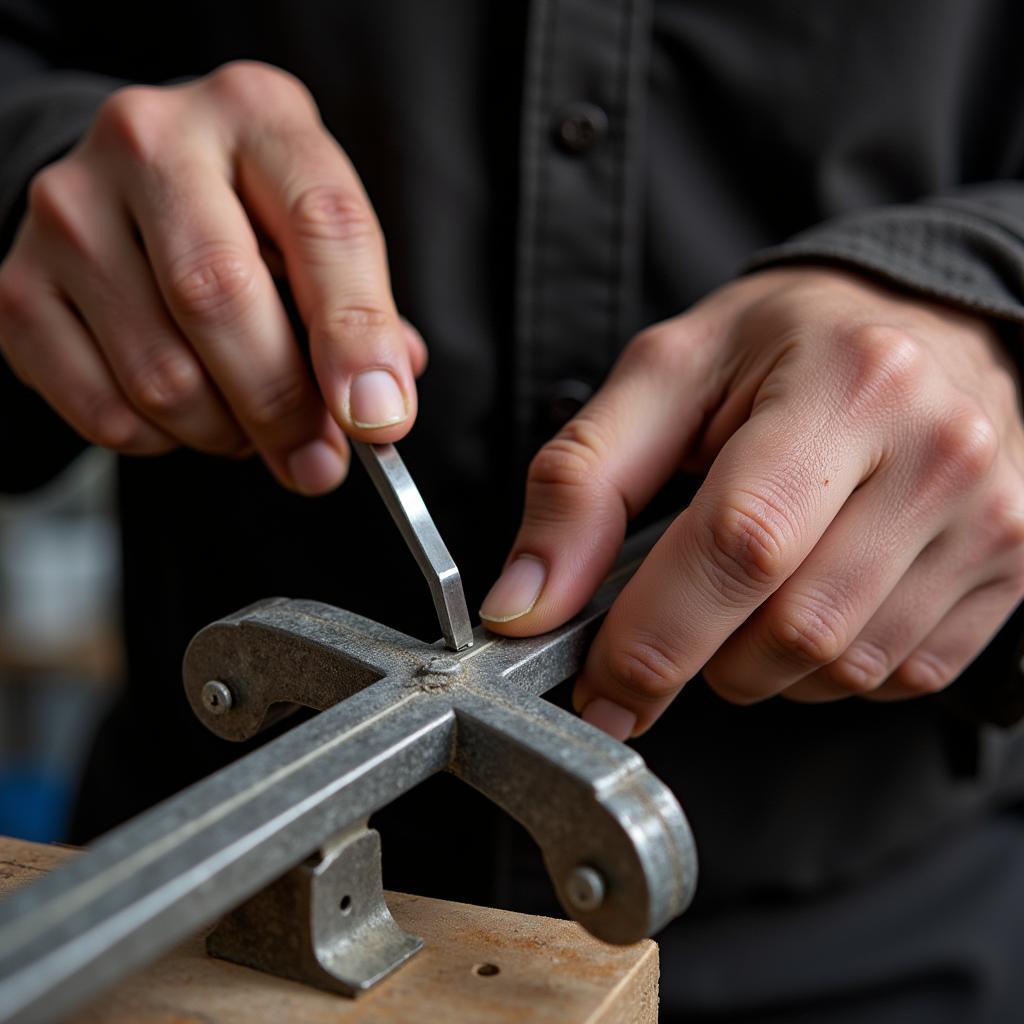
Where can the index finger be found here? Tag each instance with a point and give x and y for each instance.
(770, 495)
(308, 197)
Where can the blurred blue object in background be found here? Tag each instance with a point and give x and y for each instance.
(33, 804)
(60, 649)
(46, 726)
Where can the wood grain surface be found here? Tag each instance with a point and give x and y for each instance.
(477, 965)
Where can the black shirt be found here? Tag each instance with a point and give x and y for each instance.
(550, 179)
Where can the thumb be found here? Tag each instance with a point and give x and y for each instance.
(597, 472)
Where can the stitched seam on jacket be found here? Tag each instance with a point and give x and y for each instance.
(616, 256)
(531, 198)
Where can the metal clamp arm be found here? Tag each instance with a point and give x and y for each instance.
(613, 836)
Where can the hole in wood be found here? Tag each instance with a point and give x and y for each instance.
(486, 970)
(346, 904)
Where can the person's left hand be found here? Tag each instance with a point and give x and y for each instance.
(861, 526)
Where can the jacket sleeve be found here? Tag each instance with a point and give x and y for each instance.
(43, 112)
(965, 247)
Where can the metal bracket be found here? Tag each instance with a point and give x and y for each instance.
(324, 923)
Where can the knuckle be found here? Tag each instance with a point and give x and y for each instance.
(808, 634)
(361, 326)
(1004, 519)
(329, 213)
(254, 86)
(1010, 562)
(46, 193)
(561, 464)
(55, 200)
(103, 419)
(661, 347)
(923, 673)
(277, 401)
(16, 300)
(132, 121)
(886, 365)
(964, 445)
(571, 458)
(164, 382)
(728, 688)
(212, 282)
(1015, 575)
(566, 474)
(359, 318)
(746, 553)
(645, 667)
(862, 668)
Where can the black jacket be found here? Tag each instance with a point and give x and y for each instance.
(550, 180)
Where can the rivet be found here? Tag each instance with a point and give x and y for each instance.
(217, 697)
(585, 888)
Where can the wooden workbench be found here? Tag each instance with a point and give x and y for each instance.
(477, 965)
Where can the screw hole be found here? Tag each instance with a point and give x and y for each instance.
(486, 970)
(345, 906)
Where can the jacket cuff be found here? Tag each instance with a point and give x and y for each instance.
(966, 249)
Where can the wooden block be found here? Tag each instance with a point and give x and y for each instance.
(477, 965)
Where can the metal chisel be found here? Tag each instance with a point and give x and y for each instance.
(404, 502)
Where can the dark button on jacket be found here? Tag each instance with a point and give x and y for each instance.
(580, 127)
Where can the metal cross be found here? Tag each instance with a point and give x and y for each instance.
(614, 839)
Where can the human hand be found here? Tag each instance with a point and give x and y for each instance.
(861, 526)
(137, 299)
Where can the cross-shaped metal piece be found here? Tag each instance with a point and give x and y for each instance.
(396, 710)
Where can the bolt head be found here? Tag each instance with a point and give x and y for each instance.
(585, 888)
(217, 697)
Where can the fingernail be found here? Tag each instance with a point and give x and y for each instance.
(376, 400)
(316, 468)
(609, 717)
(516, 591)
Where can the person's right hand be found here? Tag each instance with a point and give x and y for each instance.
(138, 301)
